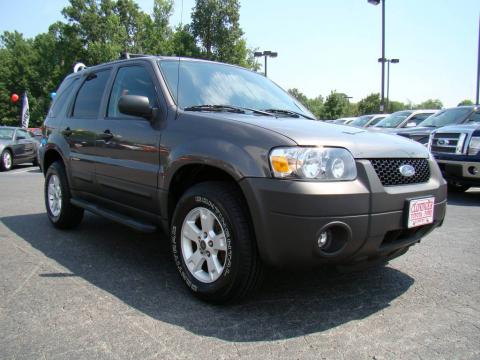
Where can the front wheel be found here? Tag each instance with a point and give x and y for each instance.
(213, 244)
(6, 160)
(60, 211)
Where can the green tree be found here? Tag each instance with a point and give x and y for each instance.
(394, 106)
(215, 26)
(369, 104)
(430, 104)
(335, 106)
(465, 102)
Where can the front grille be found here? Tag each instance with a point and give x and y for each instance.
(448, 143)
(388, 171)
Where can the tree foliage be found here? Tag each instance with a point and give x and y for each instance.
(430, 104)
(97, 31)
(369, 104)
(465, 102)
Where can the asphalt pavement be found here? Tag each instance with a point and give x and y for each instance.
(102, 291)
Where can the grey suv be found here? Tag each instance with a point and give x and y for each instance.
(236, 171)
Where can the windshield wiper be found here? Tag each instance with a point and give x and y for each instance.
(229, 108)
(287, 112)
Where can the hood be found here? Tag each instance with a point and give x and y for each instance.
(467, 128)
(361, 143)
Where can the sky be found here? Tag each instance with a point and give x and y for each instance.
(326, 45)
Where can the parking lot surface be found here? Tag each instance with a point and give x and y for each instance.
(102, 291)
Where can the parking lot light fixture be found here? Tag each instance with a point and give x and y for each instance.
(382, 59)
(265, 54)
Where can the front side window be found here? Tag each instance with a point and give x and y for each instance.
(361, 121)
(89, 97)
(446, 117)
(22, 134)
(131, 80)
(196, 83)
(6, 134)
(475, 117)
(392, 121)
(417, 119)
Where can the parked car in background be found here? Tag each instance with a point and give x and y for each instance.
(343, 121)
(17, 146)
(367, 120)
(457, 151)
(456, 115)
(402, 119)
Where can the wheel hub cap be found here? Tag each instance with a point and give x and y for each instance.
(203, 243)
(7, 160)
(54, 193)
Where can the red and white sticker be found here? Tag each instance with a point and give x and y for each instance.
(420, 212)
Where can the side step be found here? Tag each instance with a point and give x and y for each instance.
(114, 216)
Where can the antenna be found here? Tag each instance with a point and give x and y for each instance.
(79, 67)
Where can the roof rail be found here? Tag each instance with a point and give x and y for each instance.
(126, 55)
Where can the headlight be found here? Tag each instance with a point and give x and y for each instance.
(474, 146)
(313, 163)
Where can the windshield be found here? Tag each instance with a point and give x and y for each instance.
(6, 134)
(361, 121)
(392, 121)
(446, 117)
(205, 83)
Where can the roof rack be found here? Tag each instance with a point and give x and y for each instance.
(126, 55)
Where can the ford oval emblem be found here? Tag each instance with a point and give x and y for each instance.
(407, 170)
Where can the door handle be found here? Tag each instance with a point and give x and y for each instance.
(67, 132)
(106, 135)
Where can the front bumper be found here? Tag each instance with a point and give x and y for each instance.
(288, 217)
(460, 171)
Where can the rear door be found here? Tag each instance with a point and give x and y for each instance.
(127, 147)
(79, 129)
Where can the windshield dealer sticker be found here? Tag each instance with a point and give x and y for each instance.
(420, 211)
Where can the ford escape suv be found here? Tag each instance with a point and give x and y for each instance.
(236, 171)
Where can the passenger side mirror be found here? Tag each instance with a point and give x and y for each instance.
(135, 105)
(411, 124)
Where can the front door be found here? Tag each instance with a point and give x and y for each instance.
(127, 147)
(24, 148)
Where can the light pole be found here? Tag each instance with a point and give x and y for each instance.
(265, 54)
(388, 61)
(382, 99)
(478, 65)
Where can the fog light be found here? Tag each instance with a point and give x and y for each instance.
(323, 239)
(473, 170)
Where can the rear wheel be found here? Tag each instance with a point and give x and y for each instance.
(213, 244)
(60, 211)
(6, 160)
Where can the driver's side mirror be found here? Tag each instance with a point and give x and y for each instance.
(411, 124)
(135, 105)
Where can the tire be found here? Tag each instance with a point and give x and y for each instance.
(61, 212)
(6, 160)
(35, 162)
(457, 188)
(238, 265)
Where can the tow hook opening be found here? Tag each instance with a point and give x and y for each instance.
(332, 238)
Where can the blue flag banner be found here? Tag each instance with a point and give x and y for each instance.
(25, 111)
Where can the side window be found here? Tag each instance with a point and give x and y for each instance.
(89, 96)
(131, 80)
(61, 102)
(417, 119)
(22, 134)
(475, 117)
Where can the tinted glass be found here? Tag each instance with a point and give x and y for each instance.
(6, 134)
(362, 120)
(61, 102)
(376, 121)
(131, 80)
(90, 94)
(205, 83)
(417, 119)
(475, 117)
(22, 133)
(446, 117)
(392, 121)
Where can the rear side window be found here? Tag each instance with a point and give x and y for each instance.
(417, 119)
(61, 102)
(89, 97)
(131, 80)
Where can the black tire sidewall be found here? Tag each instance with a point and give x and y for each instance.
(229, 275)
